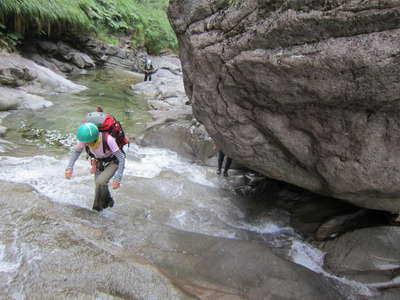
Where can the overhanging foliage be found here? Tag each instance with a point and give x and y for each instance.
(145, 20)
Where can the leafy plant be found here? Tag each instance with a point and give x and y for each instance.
(145, 20)
(9, 40)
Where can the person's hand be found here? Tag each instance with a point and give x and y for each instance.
(92, 167)
(68, 174)
(115, 185)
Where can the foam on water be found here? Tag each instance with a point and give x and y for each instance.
(307, 256)
(46, 175)
(266, 228)
(5, 145)
(6, 266)
(312, 258)
(271, 222)
(189, 221)
(149, 162)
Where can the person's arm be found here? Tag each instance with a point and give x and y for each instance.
(76, 152)
(112, 144)
(121, 166)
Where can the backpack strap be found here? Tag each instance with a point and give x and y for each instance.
(89, 154)
(104, 137)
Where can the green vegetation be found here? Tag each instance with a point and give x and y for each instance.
(8, 40)
(146, 21)
(233, 2)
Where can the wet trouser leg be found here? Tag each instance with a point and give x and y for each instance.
(227, 164)
(221, 156)
(102, 195)
(147, 76)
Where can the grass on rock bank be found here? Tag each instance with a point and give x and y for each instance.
(146, 20)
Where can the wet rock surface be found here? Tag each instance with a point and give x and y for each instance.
(64, 250)
(303, 92)
(23, 83)
(173, 126)
(364, 251)
(81, 54)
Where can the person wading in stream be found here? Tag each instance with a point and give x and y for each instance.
(108, 161)
(148, 69)
(221, 156)
(228, 162)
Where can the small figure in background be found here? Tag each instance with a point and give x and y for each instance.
(228, 162)
(148, 69)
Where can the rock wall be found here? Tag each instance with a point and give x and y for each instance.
(302, 91)
(78, 54)
(23, 83)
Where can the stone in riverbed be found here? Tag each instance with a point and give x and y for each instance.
(18, 99)
(3, 130)
(370, 253)
(7, 103)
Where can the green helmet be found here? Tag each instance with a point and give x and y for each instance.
(87, 133)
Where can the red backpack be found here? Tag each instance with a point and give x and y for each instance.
(110, 126)
(113, 127)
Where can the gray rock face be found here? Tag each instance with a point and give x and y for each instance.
(17, 71)
(23, 83)
(185, 137)
(16, 77)
(160, 262)
(366, 250)
(302, 91)
(18, 99)
(81, 54)
(172, 125)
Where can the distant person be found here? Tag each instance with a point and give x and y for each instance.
(221, 156)
(148, 69)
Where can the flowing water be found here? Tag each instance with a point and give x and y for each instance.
(152, 243)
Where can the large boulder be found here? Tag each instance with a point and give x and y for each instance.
(301, 91)
(369, 254)
(17, 99)
(188, 138)
(17, 71)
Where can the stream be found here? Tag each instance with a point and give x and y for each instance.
(164, 238)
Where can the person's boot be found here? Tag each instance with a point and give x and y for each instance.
(110, 201)
(219, 172)
(225, 173)
(101, 198)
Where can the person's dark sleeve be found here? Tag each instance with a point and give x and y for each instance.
(121, 166)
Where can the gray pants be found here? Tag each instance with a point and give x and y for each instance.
(102, 196)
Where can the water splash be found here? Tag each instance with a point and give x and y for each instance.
(312, 258)
(6, 266)
(150, 162)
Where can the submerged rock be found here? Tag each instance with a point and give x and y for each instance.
(301, 91)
